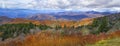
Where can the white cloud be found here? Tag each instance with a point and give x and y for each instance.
(61, 4)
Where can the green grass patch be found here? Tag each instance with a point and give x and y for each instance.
(109, 42)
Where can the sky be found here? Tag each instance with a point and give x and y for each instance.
(99, 5)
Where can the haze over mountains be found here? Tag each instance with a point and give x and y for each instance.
(52, 14)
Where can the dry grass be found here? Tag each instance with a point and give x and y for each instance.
(49, 39)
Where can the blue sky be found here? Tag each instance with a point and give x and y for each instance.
(62, 4)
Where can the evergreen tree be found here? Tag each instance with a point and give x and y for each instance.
(58, 27)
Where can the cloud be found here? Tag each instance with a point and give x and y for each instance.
(61, 4)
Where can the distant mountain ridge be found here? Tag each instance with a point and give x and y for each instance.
(4, 19)
(66, 16)
(51, 14)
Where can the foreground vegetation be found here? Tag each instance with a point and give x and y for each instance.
(49, 39)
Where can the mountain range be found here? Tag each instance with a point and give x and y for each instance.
(51, 14)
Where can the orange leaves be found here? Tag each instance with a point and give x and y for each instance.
(115, 34)
(85, 21)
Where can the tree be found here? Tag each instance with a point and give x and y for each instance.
(101, 25)
(58, 27)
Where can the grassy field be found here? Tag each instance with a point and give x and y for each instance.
(108, 42)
